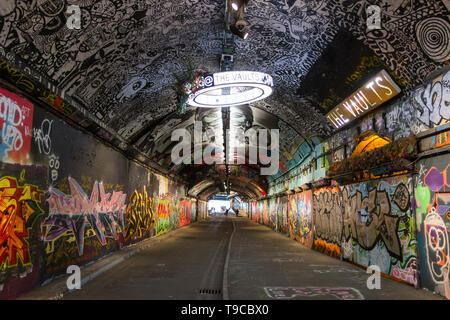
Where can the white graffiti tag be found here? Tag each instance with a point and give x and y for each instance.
(437, 246)
(53, 163)
(11, 114)
(42, 136)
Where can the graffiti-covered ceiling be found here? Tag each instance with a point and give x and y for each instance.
(119, 66)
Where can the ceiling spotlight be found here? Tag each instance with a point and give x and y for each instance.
(236, 4)
(240, 29)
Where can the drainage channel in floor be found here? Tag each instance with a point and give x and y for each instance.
(210, 291)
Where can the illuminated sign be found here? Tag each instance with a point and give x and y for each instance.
(375, 92)
(231, 88)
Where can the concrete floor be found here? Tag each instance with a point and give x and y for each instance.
(262, 265)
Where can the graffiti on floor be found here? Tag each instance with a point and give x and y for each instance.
(336, 270)
(341, 293)
(78, 216)
(19, 209)
(287, 260)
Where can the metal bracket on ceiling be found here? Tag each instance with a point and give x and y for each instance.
(226, 64)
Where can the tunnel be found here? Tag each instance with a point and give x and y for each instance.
(269, 150)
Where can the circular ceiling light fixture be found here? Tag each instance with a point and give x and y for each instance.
(231, 88)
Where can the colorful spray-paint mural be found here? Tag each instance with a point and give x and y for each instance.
(79, 228)
(16, 124)
(68, 199)
(193, 211)
(328, 221)
(185, 213)
(140, 216)
(282, 215)
(253, 210)
(300, 217)
(163, 216)
(265, 212)
(259, 211)
(202, 209)
(432, 205)
(273, 207)
(21, 210)
(379, 228)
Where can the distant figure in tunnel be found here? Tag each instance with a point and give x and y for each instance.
(237, 212)
(226, 211)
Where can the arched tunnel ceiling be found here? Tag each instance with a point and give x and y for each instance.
(120, 63)
(119, 66)
(157, 144)
(245, 188)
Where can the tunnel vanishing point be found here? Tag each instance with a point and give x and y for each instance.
(348, 102)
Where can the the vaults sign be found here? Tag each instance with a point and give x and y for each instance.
(372, 94)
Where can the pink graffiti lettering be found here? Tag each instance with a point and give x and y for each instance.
(71, 214)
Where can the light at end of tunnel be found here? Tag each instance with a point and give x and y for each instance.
(235, 6)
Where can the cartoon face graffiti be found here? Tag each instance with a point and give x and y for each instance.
(437, 247)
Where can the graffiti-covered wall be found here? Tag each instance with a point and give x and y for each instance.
(378, 227)
(369, 223)
(432, 206)
(202, 207)
(400, 224)
(300, 217)
(273, 208)
(328, 221)
(68, 199)
(253, 210)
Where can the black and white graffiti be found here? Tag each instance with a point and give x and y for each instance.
(119, 65)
